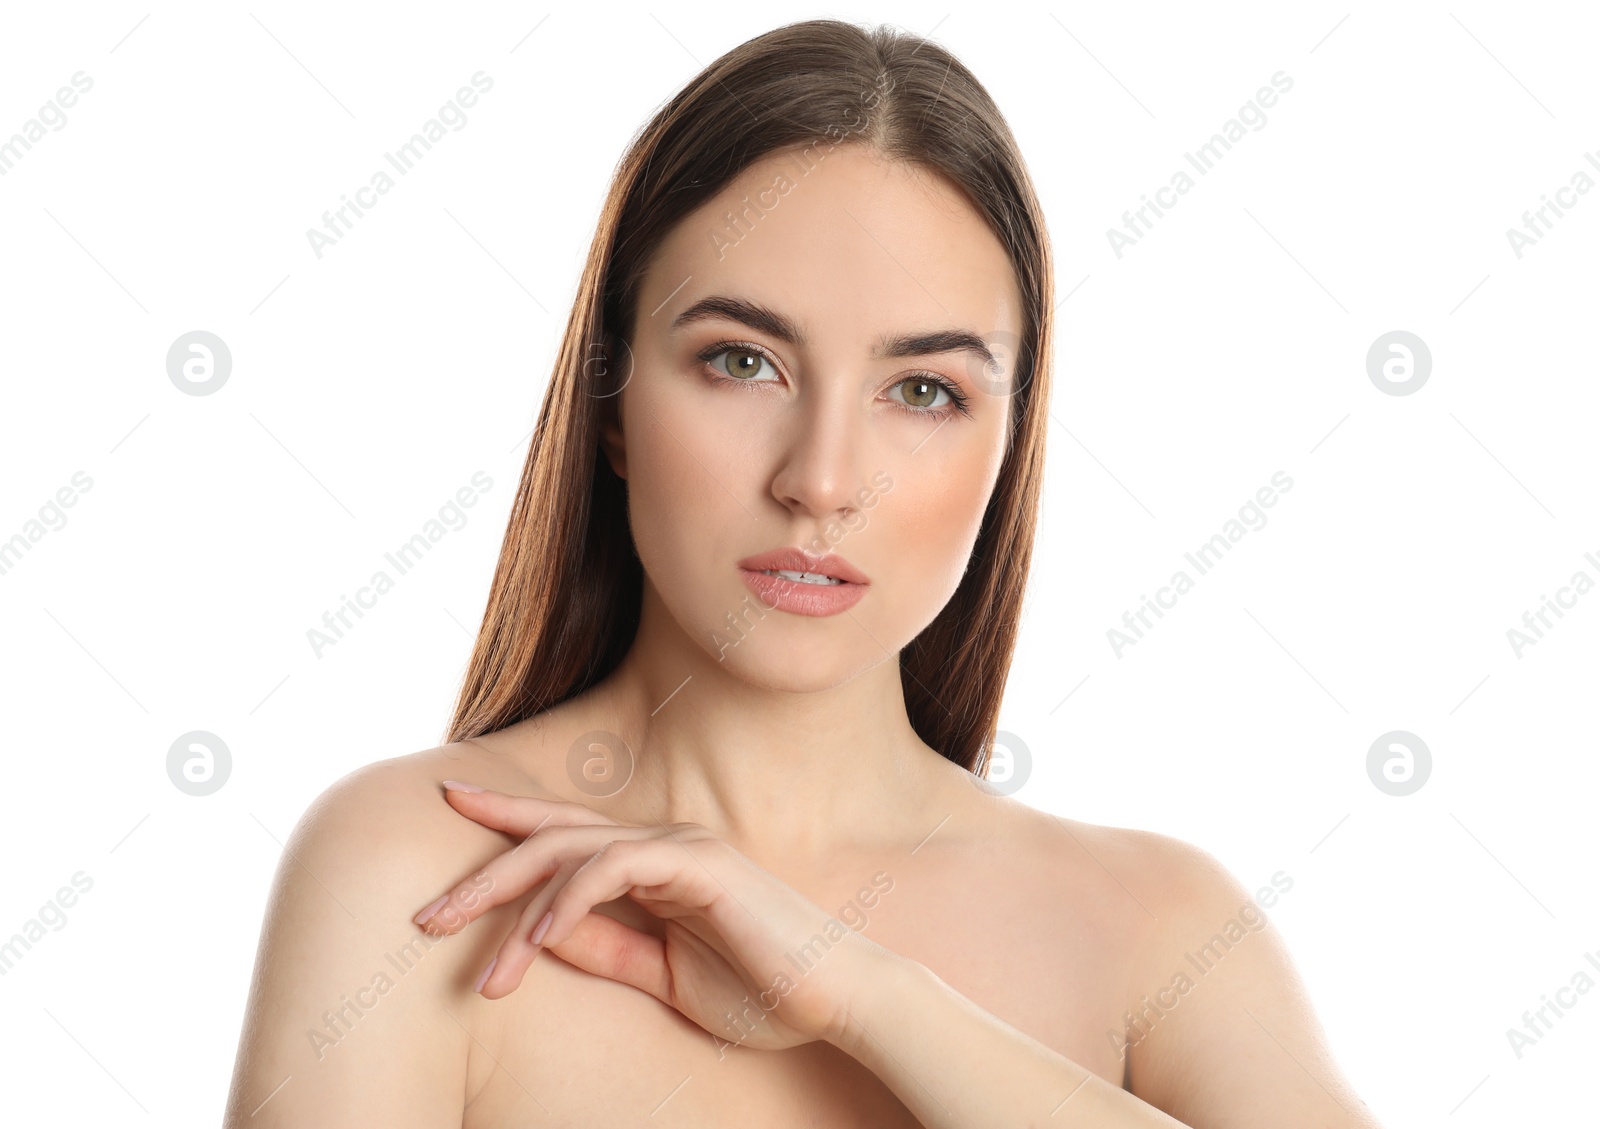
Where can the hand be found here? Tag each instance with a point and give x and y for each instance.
(738, 939)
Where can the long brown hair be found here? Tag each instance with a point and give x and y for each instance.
(564, 605)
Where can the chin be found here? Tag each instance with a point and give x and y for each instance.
(795, 667)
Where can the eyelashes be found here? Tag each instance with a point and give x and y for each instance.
(958, 403)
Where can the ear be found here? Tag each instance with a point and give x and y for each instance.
(611, 438)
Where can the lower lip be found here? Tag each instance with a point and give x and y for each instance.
(779, 594)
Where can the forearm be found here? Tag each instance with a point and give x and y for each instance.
(956, 1066)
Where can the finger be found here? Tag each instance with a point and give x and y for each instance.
(606, 947)
(505, 971)
(598, 944)
(521, 815)
(660, 868)
(512, 874)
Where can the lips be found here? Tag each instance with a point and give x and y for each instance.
(798, 560)
(762, 575)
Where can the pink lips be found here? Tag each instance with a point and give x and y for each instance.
(798, 560)
(797, 596)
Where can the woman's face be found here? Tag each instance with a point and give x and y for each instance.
(783, 414)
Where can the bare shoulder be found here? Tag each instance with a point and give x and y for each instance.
(354, 1013)
(1215, 1026)
(371, 798)
(1165, 881)
(1219, 1027)
(384, 836)
(1171, 876)
(1158, 873)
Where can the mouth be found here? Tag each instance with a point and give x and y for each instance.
(792, 580)
(801, 567)
(801, 577)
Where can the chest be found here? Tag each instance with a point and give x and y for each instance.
(577, 1050)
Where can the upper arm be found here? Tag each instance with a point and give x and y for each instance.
(355, 1014)
(1223, 1030)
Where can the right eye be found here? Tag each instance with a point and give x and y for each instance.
(736, 362)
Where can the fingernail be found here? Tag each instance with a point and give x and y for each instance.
(538, 934)
(458, 786)
(432, 908)
(483, 977)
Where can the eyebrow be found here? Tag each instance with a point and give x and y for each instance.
(759, 317)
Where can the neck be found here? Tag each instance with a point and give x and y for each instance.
(780, 774)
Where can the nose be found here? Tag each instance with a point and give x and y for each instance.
(823, 448)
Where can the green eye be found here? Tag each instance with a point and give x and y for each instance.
(920, 393)
(741, 364)
(924, 395)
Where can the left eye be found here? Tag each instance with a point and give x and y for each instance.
(741, 364)
(917, 392)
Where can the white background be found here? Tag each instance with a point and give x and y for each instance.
(369, 385)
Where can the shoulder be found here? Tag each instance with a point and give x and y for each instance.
(352, 1006)
(398, 800)
(1218, 1025)
(1168, 895)
(1162, 876)
(1177, 879)
(1165, 879)
(383, 835)
(1214, 1023)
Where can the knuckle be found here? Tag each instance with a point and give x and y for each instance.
(611, 851)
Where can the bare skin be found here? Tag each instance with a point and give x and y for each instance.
(791, 744)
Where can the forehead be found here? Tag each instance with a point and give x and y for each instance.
(845, 243)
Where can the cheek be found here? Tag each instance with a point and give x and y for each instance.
(680, 472)
(923, 530)
(661, 475)
(932, 522)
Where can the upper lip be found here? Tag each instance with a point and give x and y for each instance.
(792, 559)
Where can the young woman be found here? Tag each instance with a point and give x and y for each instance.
(721, 744)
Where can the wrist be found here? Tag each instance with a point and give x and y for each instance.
(881, 977)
